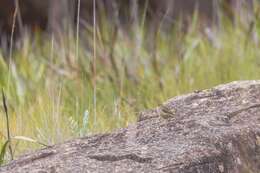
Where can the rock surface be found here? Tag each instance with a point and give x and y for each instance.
(209, 131)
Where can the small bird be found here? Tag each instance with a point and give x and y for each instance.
(167, 112)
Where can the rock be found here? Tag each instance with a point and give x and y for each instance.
(209, 131)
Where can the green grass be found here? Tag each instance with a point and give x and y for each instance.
(50, 90)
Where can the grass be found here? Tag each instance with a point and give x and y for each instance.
(50, 96)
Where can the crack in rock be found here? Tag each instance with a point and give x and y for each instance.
(114, 158)
(235, 113)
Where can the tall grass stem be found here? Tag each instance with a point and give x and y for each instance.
(11, 46)
(77, 37)
(7, 124)
(94, 63)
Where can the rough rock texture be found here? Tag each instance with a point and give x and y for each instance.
(210, 131)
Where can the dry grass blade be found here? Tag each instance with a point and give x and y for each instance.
(27, 139)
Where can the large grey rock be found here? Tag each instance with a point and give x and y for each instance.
(210, 131)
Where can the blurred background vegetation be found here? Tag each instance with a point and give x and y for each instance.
(67, 73)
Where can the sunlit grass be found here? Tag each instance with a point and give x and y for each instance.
(51, 89)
